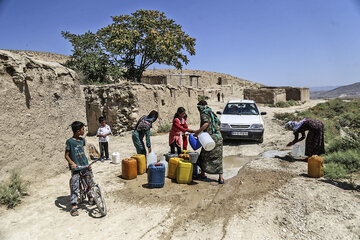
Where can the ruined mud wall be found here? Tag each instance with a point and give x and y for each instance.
(123, 104)
(266, 96)
(297, 94)
(294, 93)
(38, 102)
(207, 79)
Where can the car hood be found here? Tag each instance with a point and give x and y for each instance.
(241, 119)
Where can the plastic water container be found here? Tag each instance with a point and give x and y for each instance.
(156, 175)
(193, 156)
(170, 155)
(185, 151)
(184, 172)
(129, 168)
(152, 158)
(184, 156)
(173, 163)
(166, 164)
(194, 142)
(141, 163)
(315, 166)
(298, 149)
(115, 157)
(206, 141)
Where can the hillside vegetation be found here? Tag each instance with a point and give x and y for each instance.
(342, 136)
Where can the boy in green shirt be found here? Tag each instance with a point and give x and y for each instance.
(75, 155)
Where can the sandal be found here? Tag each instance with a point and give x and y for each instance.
(74, 212)
(221, 181)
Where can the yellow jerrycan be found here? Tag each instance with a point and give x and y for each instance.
(315, 166)
(141, 163)
(173, 164)
(184, 172)
(185, 151)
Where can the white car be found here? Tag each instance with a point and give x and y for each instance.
(241, 119)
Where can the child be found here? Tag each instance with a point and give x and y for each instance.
(179, 125)
(103, 133)
(142, 129)
(75, 155)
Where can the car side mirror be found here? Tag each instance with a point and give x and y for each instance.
(263, 113)
(218, 112)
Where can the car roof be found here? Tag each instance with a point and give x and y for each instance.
(241, 101)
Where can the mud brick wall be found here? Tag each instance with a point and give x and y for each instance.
(266, 96)
(123, 104)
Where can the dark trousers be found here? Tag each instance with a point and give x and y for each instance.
(172, 148)
(104, 147)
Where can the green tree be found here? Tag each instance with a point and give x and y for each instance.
(88, 57)
(143, 38)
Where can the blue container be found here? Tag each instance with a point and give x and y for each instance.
(156, 175)
(194, 142)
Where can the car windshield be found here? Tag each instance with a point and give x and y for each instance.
(241, 109)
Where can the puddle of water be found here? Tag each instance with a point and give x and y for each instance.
(232, 165)
(273, 153)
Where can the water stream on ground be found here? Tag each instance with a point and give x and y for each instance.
(231, 166)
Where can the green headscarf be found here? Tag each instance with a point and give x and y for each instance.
(208, 111)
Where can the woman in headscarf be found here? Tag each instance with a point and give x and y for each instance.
(210, 161)
(142, 128)
(314, 144)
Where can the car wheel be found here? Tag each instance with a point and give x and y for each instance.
(261, 140)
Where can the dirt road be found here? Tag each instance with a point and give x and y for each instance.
(270, 198)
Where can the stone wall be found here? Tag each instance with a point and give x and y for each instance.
(266, 96)
(123, 104)
(38, 102)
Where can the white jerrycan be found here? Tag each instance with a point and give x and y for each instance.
(152, 158)
(206, 141)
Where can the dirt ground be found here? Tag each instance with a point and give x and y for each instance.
(270, 198)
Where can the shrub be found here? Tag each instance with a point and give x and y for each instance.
(334, 171)
(202, 98)
(12, 191)
(286, 104)
(349, 159)
(285, 117)
(164, 128)
(351, 140)
(152, 133)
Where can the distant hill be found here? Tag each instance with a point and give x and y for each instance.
(322, 88)
(347, 91)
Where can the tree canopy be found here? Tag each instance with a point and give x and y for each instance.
(88, 56)
(132, 43)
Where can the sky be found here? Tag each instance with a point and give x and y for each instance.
(305, 43)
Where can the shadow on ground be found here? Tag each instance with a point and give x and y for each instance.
(289, 158)
(237, 142)
(342, 184)
(64, 204)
